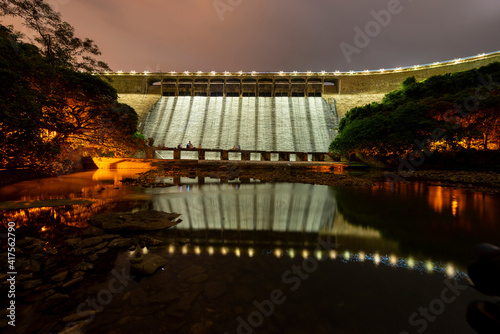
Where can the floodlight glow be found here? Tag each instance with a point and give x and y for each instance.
(305, 254)
(333, 255)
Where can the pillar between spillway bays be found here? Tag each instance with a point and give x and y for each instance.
(201, 154)
(224, 155)
(284, 156)
(265, 156)
(318, 157)
(245, 155)
(177, 154)
(301, 156)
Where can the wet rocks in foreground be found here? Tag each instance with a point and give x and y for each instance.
(136, 222)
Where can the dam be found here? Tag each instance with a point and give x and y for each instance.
(296, 112)
(289, 124)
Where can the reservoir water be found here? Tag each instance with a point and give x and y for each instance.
(259, 257)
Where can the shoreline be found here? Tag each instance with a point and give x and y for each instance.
(469, 180)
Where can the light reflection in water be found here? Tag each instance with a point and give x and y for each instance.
(389, 260)
(468, 208)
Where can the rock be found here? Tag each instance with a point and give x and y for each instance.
(214, 289)
(186, 301)
(79, 316)
(121, 243)
(78, 274)
(198, 278)
(34, 297)
(72, 282)
(54, 300)
(136, 257)
(59, 277)
(191, 271)
(149, 264)
(108, 237)
(83, 266)
(25, 277)
(31, 284)
(148, 241)
(76, 329)
(93, 257)
(51, 251)
(138, 221)
(50, 262)
(102, 251)
(28, 265)
(73, 242)
(85, 251)
(201, 327)
(86, 243)
(92, 231)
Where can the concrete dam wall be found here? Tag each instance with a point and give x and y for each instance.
(288, 124)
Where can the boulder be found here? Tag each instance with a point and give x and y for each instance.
(121, 243)
(149, 264)
(86, 243)
(137, 221)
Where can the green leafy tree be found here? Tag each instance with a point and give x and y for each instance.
(47, 112)
(410, 116)
(55, 37)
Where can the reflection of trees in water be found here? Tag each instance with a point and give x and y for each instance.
(50, 218)
(410, 216)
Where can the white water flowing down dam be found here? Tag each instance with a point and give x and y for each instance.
(288, 124)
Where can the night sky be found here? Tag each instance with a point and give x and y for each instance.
(282, 35)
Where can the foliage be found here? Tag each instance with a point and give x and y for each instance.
(50, 113)
(446, 113)
(55, 37)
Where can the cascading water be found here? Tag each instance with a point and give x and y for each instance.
(290, 124)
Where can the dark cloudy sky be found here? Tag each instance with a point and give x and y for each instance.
(287, 35)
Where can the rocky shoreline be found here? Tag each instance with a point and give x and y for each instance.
(475, 181)
(53, 273)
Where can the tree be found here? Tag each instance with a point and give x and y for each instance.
(55, 37)
(47, 112)
(406, 118)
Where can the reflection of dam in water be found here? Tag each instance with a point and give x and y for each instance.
(282, 211)
(283, 207)
(292, 124)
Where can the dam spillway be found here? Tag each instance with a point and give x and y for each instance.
(289, 124)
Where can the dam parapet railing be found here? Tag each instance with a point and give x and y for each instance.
(241, 155)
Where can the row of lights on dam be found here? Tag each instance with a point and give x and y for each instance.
(310, 73)
(390, 260)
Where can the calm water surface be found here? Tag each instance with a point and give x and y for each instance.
(281, 258)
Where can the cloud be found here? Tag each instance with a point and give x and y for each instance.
(286, 35)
